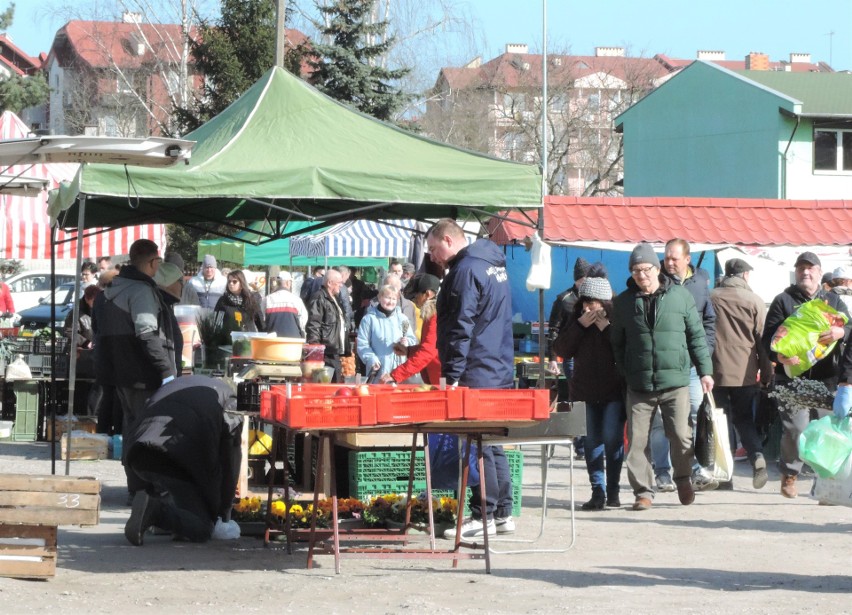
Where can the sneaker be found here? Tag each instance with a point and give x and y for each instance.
(504, 525)
(760, 475)
(740, 454)
(142, 516)
(702, 480)
(472, 528)
(788, 486)
(665, 484)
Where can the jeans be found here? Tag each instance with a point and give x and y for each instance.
(659, 443)
(605, 440)
(674, 407)
(498, 486)
(739, 404)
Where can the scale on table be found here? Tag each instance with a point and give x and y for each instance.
(269, 371)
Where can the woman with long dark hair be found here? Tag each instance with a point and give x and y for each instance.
(596, 381)
(238, 306)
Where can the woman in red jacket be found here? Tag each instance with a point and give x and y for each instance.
(422, 358)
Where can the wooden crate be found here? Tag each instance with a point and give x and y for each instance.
(27, 551)
(31, 508)
(85, 446)
(64, 425)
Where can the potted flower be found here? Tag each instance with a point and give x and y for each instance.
(389, 511)
(213, 334)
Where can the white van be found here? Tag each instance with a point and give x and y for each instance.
(30, 286)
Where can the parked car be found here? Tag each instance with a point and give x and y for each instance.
(38, 317)
(30, 286)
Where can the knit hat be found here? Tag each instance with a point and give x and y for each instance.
(208, 261)
(581, 268)
(175, 259)
(596, 288)
(643, 254)
(423, 282)
(736, 266)
(167, 274)
(597, 270)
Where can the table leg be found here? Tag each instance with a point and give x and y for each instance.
(270, 486)
(482, 500)
(329, 443)
(313, 533)
(429, 505)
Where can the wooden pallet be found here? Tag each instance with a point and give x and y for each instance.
(31, 508)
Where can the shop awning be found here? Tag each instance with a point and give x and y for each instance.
(358, 238)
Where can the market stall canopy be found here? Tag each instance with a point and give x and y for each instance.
(22, 186)
(24, 225)
(245, 249)
(146, 152)
(358, 238)
(286, 151)
(711, 222)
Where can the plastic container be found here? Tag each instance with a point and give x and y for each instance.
(241, 342)
(405, 404)
(507, 404)
(117, 446)
(322, 375)
(188, 314)
(309, 367)
(6, 429)
(313, 352)
(286, 349)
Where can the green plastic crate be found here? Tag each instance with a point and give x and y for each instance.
(26, 411)
(395, 463)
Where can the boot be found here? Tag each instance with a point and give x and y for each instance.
(612, 499)
(597, 502)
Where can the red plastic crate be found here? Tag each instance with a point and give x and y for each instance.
(507, 404)
(317, 411)
(267, 406)
(406, 404)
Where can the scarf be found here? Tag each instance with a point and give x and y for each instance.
(236, 300)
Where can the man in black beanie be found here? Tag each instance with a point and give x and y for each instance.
(653, 322)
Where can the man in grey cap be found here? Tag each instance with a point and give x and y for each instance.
(739, 357)
(841, 285)
(808, 286)
(656, 333)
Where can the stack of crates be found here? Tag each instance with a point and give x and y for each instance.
(374, 473)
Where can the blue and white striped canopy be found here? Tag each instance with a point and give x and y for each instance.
(358, 238)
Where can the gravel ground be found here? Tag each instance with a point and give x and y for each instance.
(741, 551)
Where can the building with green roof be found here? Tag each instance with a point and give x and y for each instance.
(708, 131)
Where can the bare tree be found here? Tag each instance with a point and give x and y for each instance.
(501, 101)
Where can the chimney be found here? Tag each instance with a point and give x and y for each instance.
(711, 56)
(609, 52)
(800, 58)
(517, 48)
(131, 17)
(757, 61)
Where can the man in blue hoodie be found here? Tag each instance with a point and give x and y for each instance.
(474, 312)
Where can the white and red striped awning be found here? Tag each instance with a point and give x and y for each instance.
(24, 223)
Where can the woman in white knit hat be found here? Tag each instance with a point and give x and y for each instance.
(596, 382)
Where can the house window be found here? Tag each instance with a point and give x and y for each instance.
(832, 150)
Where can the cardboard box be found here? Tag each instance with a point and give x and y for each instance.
(64, 425)
(89, 446)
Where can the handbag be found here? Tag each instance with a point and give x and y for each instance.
(723, 460)
(705, 448)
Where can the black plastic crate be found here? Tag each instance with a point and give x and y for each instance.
(24, 345)
(44, 346)
(248, 395)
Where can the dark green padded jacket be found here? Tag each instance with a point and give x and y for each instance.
(657, 355)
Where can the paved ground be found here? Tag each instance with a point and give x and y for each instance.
(744, 551)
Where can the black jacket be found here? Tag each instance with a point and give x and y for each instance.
(698, 284)
(561, 313)
(251, 315)
(134, 340)
(325, 322)
(783, 306)
(188, 435)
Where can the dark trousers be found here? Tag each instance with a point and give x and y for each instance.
(132, 401)
(181, 509)
(498, 486)
(740, 404)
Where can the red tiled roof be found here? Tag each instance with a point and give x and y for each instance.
(505, 70)
(765, 222)
(795, 67)
(17, 60)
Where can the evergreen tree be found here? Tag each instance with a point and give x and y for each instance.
(17, 92)
(6, 17)
(347, 68)
(232, 54)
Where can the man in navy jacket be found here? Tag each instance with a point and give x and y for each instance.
(474, 312)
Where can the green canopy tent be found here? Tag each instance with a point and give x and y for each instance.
(244, 250)
(284, 151)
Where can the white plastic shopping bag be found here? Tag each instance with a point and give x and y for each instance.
(539, 275)
(723, 460)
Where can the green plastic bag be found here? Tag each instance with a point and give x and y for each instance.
(826, 444)
(798, 335)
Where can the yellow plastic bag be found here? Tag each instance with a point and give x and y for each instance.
(260, 443)
(798, 335)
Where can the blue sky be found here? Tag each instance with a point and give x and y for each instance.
(678, 29)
